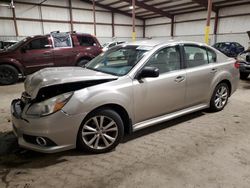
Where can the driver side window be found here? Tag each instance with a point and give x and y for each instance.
(166, 60)
(39, 43)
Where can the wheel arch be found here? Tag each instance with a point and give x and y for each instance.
(228, 84)
(122, 112)
(17, 67)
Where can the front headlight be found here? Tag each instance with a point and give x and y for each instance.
(241, 57)
(49, 106)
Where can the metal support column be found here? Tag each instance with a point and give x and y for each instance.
(70, 16)
(113, 24)
(207, 29)
(172, 27)
(14, 19)
(133, 20)
(216, 20)
(94, 16)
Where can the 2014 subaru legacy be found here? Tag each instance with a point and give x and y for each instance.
(125, 89)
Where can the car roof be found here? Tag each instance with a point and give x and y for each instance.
(153, 43)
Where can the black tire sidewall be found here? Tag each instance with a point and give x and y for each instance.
(82, 62)
(106, 112)
(244, 75)
(14, 73)
(212, 101)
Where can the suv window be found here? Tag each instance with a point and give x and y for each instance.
(167, 59)
(195, 56)
(86, 41)
(39, 43)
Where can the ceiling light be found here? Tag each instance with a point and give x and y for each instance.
(130, 7)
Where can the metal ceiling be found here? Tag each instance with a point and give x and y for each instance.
(146, 9)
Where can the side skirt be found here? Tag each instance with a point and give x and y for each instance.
(160, 119)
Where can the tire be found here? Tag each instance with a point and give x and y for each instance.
(82, 62)
(100, 140)
(8, 75)
(219, 98)
(244, 75)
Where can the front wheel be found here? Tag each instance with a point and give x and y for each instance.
(101, 131)
(8, 74)
(220, 97)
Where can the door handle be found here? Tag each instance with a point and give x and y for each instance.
(179, 79)
(46, 54)
(214, 70)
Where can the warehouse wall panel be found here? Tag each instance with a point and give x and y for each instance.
(82, 16)
(63, 27)
(7, 28)
(104, 30)
(84, 28)
(52, 13)
(27, 11)
(158, 20)
(118, 18)
(103, 17)
(192, 28)
(57, 2)
(158, 30)
(27, 28)
(234, 10)
(5, 12)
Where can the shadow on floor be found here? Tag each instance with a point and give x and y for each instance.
(12, 156)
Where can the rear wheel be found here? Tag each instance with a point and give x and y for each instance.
(82, 62)
(220, 97)
(8, 74)
(101, 131)
(244, 75)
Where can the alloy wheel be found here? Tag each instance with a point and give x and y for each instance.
(99, 132)
(221, 97)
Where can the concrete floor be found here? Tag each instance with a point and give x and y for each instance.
(198, 150)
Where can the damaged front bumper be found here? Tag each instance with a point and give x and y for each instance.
(48, 134)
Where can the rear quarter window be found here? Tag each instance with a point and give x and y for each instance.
(86, 41)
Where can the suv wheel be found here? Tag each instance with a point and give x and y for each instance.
(82, 62)
(244, 75)
(220, 97)
(8, 75)
(101, 131)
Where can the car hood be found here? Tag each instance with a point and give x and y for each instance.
(62, 75)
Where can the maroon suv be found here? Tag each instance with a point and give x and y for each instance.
(52, 50)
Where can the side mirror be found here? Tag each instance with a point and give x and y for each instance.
(248, 58)
(148, 72)
(24, 49)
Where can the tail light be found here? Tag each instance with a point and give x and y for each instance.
(237, 64)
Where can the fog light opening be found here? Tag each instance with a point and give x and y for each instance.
(41, 141)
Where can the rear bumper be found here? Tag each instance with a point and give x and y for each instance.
(59, 129)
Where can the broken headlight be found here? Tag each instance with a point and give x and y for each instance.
(49, 106)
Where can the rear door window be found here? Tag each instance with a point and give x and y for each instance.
(86, 41)
(195, 56)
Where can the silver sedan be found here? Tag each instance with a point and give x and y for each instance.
(125, 89)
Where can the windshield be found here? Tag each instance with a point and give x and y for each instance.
(118, 60)
(16, 45)
(106, 44)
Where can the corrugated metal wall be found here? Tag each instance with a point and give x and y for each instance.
(232, 26)
(35, 19)
(187, 26)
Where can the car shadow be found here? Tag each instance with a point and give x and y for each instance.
(12, 156)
